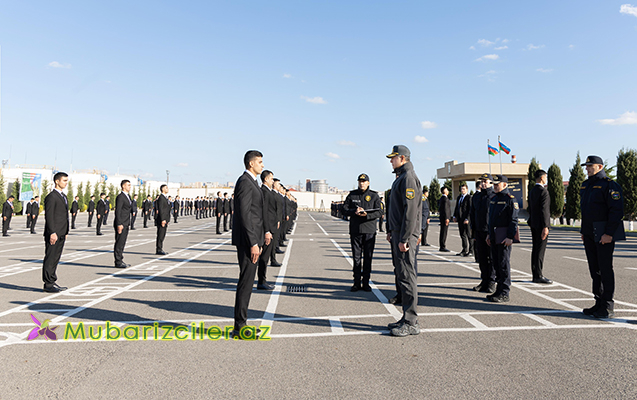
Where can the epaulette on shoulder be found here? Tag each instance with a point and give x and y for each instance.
(512, 196)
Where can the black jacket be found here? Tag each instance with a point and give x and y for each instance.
(503, 212)
(539, 208)
(601, 200)
(28, 209)
(91, 206)
(7, 210)
(480, 203)
(162, 210)
(101, 207)
(270, 210)
(444, 206)
(122, 210)
(425, 212)
(35, 209)
(405, 208)
(74, 207)
(463, 209)
(56, 215)
(247, 230)
(368, 200)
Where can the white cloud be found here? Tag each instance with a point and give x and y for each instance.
(505, 40)
(428, 125)
(181, 165)
(571, 46)
(501, 48)
(314, 100)
(627, 118)
(488, 57)
(531, 46)
(472, 48)
(346, 143)
(490, 75)
(333, 156)
(485, 42)
(420, 139)
(545, 70)
(287, 76)
(628, 9)
(56, 64)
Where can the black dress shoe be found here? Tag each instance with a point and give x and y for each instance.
(51, 289)
(445, 250)
(592, 310)
(100, 234)
(247, 334)
(161, 253)
(498, 298)
(367, 288)
(122, 265)
(7, 235)
(60, 288)
(275, 264)
(461, 254)
(283, 245)
(427, 244)
(33, 233)
(265, 286)
(355, 288)
(604, 312)
(543, 279)
(279, 251)
(490, 288)
(132, 229)
(396, 301)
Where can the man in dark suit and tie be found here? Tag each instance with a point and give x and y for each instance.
(101, 212)
(56, 228)
(176, 206)
(231, 203)
(107, 201)
(74, 209)
(226, 211)
(91, 210)
(162, 217)
(461, 215)
(35, 211)
(146, 210)
(444, 208)
(425, 216)
(28, 212)
(121, 223)
(270, 226)
(539, 221)
(219, 211)
(133, 212)
(248, 236)
(7, 214)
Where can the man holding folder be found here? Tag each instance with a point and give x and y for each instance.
(363, 208)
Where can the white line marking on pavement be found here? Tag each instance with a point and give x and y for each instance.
(319, 225)
(336, 325)
(270, 310)
(573, 258)
(473, 321)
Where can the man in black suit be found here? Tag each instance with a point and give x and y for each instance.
(278, 239)
(56, 228)
(101, 212)
(133, 213)
(231, 209)
(176, 206)
(28, 212)
(121, 223)
(91, 210)
(444, 208)
(74, 209)
(539, 221)
(7, 214)
(270, 225)
(219, 211)
(146, 210)
(162, 217)
(226, 211)
(425, 216)
(197, 207)
(107, 201)
(248, 236)
(461, 215)
(35, 211)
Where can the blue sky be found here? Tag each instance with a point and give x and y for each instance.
(323, 89)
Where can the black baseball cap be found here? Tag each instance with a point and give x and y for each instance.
(363, 177)
(500, 178)
(399, 150)
(590, 160)
(485, 177)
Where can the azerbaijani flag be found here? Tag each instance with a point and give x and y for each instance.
(504, 148)
(492, 150)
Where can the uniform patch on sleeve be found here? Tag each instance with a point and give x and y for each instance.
(423, 197)
(615, 195)
(410, 193)
(515, 205)
(368, 198)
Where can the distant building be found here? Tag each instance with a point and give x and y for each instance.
(319, 186)
(308, 185)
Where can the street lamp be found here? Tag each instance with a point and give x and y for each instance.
(167, 175)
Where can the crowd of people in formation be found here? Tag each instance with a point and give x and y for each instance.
(488, 227)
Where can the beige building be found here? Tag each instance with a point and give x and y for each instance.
(516, 172)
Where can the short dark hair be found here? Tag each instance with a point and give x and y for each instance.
(425, 189)
(92, 196)
(275, 179)
(36, 197)
(251, 155)
(539, 173)
(123, 182)
(59, 176)
(161, 188)
(265, 174)
(102, 194)
(442, 189)
(135, 195)
(77, 197)
(31, 198)
(10, 197)
(148, 196)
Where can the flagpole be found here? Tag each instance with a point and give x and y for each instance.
(500, 152)
(489, 153)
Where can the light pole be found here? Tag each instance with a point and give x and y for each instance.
(167, 175)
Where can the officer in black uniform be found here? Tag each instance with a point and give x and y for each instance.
(426, 212)
(403, 232)
(503, 217)
(602, 212)
(480, 230)
(363, 207)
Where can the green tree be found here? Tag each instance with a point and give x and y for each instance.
(69, 193)
(610, 170)
(575, 181)
(80, 194)
(87, 194)
(533, 167)
(113, 194)
(556, 190)
(45, 192)
(434, 194)
(627, 179)
(17, 204)
(96, 191)
(3, 191)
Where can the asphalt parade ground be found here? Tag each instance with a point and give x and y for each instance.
(325, 341)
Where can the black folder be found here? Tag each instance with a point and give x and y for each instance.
(501, 234)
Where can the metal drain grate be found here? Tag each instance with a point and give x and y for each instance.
(297, 288)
